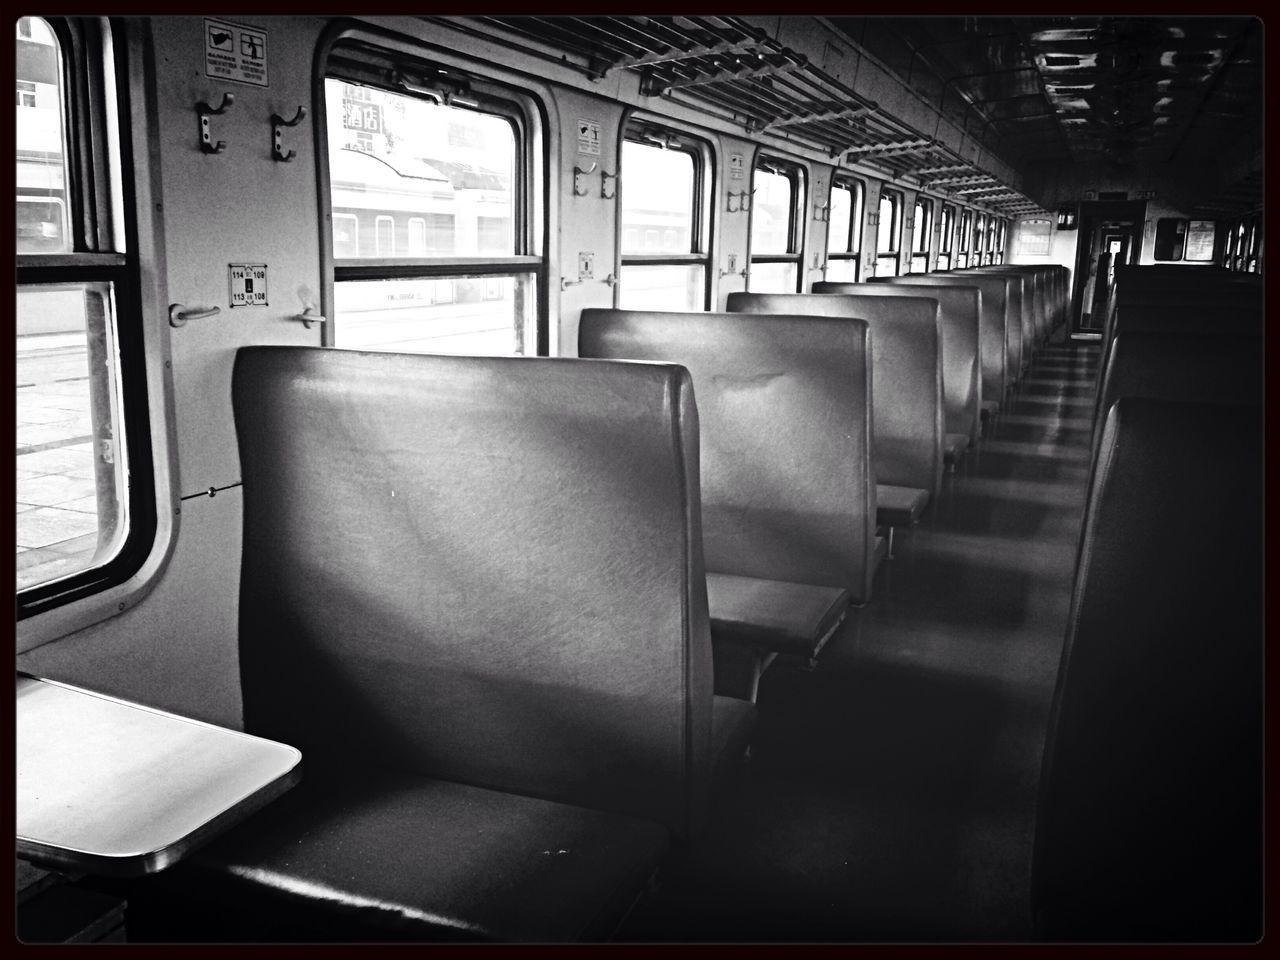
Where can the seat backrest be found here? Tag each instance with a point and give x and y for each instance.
(784, 402)
(1008, 288)
(485, 570)
(1149, 824)
(961, 369)
(1180, 367)
(1034, 302)
(993, 339)
(906, 378)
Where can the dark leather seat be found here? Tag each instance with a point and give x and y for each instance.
(1150, 816)
(994, 341)
(454, 576)
(787, 494)
(1172, 367)
(906, 389)
(958, 309)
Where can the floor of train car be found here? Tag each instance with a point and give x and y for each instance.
(891, 792)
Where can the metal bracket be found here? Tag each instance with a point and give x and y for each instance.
(207, 143)
(278, 123)
(608, 185)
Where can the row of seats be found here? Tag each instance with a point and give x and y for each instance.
(515, 612)
(1149, 825)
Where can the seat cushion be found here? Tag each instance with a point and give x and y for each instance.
(374, 856)
(773, 615)
(953, 447)
(899, 506)
(989, 409)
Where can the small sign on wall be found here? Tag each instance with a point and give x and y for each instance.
(589, 137)
(735, 166)
(232, 52)
(248, 284)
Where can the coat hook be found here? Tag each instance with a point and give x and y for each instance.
(278, 123)
(608, 185)
(207, 143)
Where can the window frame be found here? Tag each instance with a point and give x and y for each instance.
(897, 201)
(964, 237)
(797, 173)
(946, 236)
(857, 189)
(924, 207)
(110, 141)
(369, 57)
(640, 129)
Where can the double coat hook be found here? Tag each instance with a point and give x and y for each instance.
(207, 143)
(278, 123)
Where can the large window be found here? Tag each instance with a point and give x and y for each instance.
(433, 218)
(889, 233)
(664, 195)
(946, 236)
(776, 226)
(1002, 238)
(921, 234)
(964, 238)
(844, 230)
(86, 513)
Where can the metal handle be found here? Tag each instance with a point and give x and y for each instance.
(309, 316)
(180, 313)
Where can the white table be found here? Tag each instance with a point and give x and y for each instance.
(114, 788)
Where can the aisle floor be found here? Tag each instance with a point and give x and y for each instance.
(890, 795)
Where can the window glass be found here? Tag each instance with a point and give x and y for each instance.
(771, 210)
(481, 315)
(662, 190)
(84, 482)
(394, 158)
(426, 185)
(838, 240)
(777, 202)
(888, 234)
(844, 231)
(658, 199)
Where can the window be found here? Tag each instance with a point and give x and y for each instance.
(1253, 257)
(980, 255)
(964, 237)
(85, 483)
(432, 210)
(990, 255)
(1002, 238)
(844, 230)
(889, 233)
(664, 196)
(945, 237)
(921, 234)
(776, 226)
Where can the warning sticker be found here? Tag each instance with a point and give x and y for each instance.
(735, 166)
(233, 52)
(589, 137)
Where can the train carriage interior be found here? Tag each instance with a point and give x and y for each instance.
(639, 479)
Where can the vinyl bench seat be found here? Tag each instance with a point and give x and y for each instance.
(899, 506)
(395, 857)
